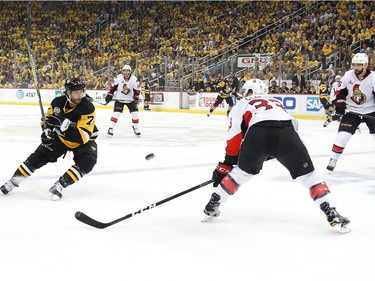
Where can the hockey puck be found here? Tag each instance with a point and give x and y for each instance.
(150, 156)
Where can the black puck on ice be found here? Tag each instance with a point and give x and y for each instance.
(150, 156)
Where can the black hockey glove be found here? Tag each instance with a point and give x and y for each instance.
(340, 106)
(108, 97)
(221, 170)
(136, 99)
(340, 111)
(58, 121)
(47, 137)
(238, 97)
(54, 120)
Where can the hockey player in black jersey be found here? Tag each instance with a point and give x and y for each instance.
(226, 89)
(70, 126)
(145, 91)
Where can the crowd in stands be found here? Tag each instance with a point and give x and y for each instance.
(159, 38)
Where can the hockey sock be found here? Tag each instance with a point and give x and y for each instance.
(116, 115)
(23, 171)
(72, 175)
(318, 189)
(339, 144)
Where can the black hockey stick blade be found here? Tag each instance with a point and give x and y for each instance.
(90, 221)
(82, 217)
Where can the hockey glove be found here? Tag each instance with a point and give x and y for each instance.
(238, 97)
(340, 110)
(221, 170)
(47, 137)
(136, 99)
(108, 97)
(340, 106)
(58, 122)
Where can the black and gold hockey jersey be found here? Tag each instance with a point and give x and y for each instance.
(82, 116)
(225, 89)
(145, 88)
(323, 91)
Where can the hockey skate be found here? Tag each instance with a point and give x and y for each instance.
(337, 221)
(110, 133)
(56, 191)
(332, 164)
(136, 131)
(212, 208)
(8, 187)
(326, 123)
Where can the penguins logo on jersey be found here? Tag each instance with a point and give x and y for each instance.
(358, 97)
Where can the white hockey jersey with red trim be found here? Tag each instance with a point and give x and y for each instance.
(335, 90)
(250, 111)
(360, 96)
(126, 88)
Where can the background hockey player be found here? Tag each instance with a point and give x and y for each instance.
(260, 129)
(357, 96)
(124, 91)
(334, 91)
(145, 91)
(323, 91)
(226, 89)
(70, 126)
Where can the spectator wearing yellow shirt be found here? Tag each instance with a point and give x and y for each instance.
(327, 49)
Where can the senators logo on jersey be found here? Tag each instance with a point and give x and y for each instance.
(125, 90)
(358, 97)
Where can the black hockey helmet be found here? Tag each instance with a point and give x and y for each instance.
(74, 84)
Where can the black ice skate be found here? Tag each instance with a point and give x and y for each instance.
(8, 187)
(110, 132)
(337, 221)
(212, 208)
(326, 122)
(136, 131)
(332, 164)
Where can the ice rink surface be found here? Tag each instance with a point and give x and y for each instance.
(269, 230)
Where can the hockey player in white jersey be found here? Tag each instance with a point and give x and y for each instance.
(335, 90)
(124, 91)
(261, 129)
(354, 101)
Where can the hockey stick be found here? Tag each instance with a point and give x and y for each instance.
(90, 98)
(94, 223)
(98, 102)
(33, 67)
(362, 115)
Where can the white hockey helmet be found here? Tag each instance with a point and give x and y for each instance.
(360, 58)
(254, 87)
(338, 77)
(127, 67)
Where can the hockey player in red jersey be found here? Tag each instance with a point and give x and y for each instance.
(356, 95)
(125, 91)
(261, 129)
(70, 126)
